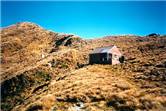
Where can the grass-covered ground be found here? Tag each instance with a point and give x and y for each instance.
(67, 82)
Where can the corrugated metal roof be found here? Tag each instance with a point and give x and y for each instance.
(102, 49)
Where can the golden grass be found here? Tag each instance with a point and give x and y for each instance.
(135, 85)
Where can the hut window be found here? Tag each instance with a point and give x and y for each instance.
(104, 59)
(115, 56)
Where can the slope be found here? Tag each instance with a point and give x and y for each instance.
(50, 71)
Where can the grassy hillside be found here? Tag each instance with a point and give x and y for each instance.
(44, 70)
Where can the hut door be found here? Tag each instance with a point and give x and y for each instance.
(110, 58)
(103, 58)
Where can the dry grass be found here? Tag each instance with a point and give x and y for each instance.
(138, 84)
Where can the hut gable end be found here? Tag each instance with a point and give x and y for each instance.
(115, 50)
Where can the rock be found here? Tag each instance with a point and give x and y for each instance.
(122, 86)
(60, 99)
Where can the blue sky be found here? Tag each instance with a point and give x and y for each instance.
(89, 19)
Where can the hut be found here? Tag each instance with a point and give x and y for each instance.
(106, 55)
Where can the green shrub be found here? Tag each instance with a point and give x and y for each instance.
(64, 65)
(6, 106)
(43, 75)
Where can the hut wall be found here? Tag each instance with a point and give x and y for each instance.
(100, 58)
(115, 59)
